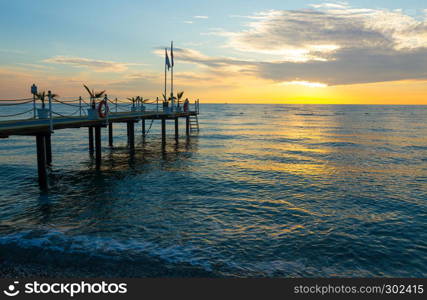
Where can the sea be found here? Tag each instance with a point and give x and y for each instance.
(260, 191)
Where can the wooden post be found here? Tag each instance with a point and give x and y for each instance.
(143, 128)
(163, 131)
(41, 161)
(80, 105)
(110, 134)
(176, 129)
(49, 95)
(34, 100)
(131, 134)
(98, 146)
(187, 125)
(90, 128)
(48, 147)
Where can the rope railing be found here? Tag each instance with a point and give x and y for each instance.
(119, 103)
(11, 100)
(84, 107)
(85, 102)
(68, 115)
(69, 101)
(17, 114)
(58, 114)
(66, 103)
(18, 103)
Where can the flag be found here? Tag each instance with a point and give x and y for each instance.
(168, 64)
(172, 53)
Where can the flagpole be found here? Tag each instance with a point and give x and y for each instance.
(165, 76)
(172, 63)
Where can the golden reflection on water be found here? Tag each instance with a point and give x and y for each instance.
(318, 148)
(280, 187)
(293, 128)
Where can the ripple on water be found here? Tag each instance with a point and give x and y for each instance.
(275, 191)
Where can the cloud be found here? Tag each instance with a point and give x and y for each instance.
(34, 66)
(196, 57)
(314, 34)
(332, 44)
(339, 5)
(195, 17)
(351, 66)
(12, 51)
(15, 82)
(94, 64)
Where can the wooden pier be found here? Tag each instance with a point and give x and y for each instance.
(45, 120)
(42, 129)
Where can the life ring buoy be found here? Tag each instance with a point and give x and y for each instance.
(103, 112)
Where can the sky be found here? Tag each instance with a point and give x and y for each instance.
(270, 51)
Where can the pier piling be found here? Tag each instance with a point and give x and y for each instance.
(98, 146)
(176, 129)
(163, 131)
(41, 161)
(187, 126)
(110, 134)
(42, 130)
(90, 129)
(131, 134)
(48, 147)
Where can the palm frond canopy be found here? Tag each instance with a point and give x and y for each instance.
(180, 94)
(99, 94)
(89, 91)
(93, 94)
(41, 95)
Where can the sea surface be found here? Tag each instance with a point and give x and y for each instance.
(260, 191)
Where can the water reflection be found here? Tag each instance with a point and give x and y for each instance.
(45, 208)
(261, 191)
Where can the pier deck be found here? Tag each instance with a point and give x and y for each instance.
(36, 126)
(43, 128)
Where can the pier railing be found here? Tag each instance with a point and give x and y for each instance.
(39, 117)
(32, 108)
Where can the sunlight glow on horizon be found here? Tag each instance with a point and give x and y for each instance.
(305, 83)
(311, 51)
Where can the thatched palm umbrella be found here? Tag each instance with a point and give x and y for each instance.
(94, 95)
(42, 96)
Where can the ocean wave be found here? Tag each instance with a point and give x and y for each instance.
(337, 144)
(415, 147)
(288, 140)
(61, 245)
(314, 115)
(220, 137)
